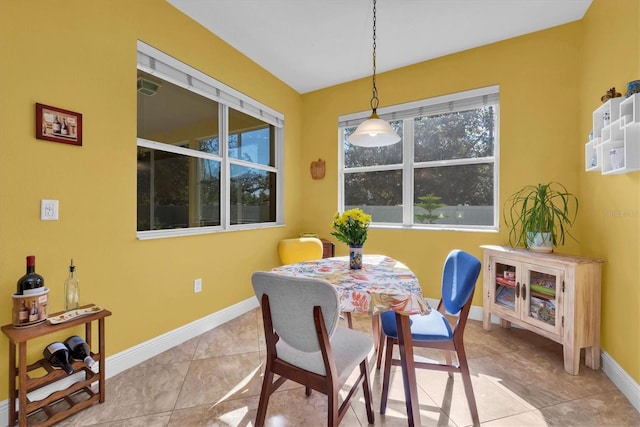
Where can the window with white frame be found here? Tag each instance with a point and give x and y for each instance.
(209, 157)
(443, 174)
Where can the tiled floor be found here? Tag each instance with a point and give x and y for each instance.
(214, 380)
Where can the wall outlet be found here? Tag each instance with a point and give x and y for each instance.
(197, 286)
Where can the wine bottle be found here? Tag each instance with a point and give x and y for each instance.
(71, 289)
(31, 283)
(56, 125)
(79, 350)
(23, 315)
(34, 314)
(64, 130)
(57, 354)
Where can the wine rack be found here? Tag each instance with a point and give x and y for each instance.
(62, 403)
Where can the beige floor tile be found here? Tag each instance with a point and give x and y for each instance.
(604, 409)
(238, 336)
(449, 395)
(135, 392)
(215, 380)
(526, 419)
(235, 412)
(180, 353)
(157, 420)
(221, 378)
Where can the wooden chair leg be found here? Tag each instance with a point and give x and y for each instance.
(265, 394)
(381, 341)
(307, 391)
(349, 320)
(386, 376)
(448, 361)
(366, 390)
(333, 416)
(375, 329)
(468, 388)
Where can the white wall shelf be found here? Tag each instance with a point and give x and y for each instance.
(615, 147)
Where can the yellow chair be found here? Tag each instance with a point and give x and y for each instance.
(305, 249)
(300, 249)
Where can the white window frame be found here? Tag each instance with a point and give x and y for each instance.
(165, 67)
(407, 112)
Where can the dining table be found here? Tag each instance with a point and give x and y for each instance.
(382, 284)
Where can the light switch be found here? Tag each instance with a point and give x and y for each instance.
(49, 210)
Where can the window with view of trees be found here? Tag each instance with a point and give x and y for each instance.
(207, 155)
(443, 172)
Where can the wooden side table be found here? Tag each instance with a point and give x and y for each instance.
(328, 249)
(18, 338)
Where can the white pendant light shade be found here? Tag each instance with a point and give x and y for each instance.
(374, 132)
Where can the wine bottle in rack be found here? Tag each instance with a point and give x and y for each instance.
(31, 283)
(79, 350)
(57, 354)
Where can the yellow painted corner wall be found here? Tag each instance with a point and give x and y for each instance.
(610, 216)
(538, 125)
(547, 94)
(81, 56)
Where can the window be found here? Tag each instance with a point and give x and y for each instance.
(443, 172)
(209, 158)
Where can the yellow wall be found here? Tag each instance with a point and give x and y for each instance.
(610, 217)
(81, 56)
(539, 103)
(550, 82)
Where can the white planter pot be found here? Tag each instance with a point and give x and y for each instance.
(540, 242)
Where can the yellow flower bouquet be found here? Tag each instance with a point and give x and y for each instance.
(351, 227)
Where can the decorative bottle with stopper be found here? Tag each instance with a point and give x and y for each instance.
(71, 289)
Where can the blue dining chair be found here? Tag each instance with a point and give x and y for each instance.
(306, 345)
(459, 276)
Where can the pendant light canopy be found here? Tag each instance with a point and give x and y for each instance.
(374, 132)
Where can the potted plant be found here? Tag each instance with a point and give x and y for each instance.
(351, 227)
(539, 216)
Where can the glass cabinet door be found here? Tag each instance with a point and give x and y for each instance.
(542, 288)
(506, 291)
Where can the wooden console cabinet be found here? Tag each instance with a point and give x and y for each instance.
(554, 295)
(19, 370)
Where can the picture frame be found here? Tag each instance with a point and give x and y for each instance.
(58, 125)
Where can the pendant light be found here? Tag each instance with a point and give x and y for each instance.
(374, 132)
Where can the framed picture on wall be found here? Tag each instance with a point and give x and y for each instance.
(58, 125)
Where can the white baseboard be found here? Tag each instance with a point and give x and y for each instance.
(621, 379)
(139, 353)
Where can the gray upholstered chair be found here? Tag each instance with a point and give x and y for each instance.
(306, 345)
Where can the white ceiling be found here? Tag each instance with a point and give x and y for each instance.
(313, 44)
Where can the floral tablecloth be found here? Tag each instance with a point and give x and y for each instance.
(382, 284)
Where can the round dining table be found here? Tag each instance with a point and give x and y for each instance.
(382, 284)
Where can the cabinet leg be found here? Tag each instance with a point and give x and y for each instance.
(486, 320)
(571, 359)
(592, 357)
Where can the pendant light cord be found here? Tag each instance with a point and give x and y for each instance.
(374, 99)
